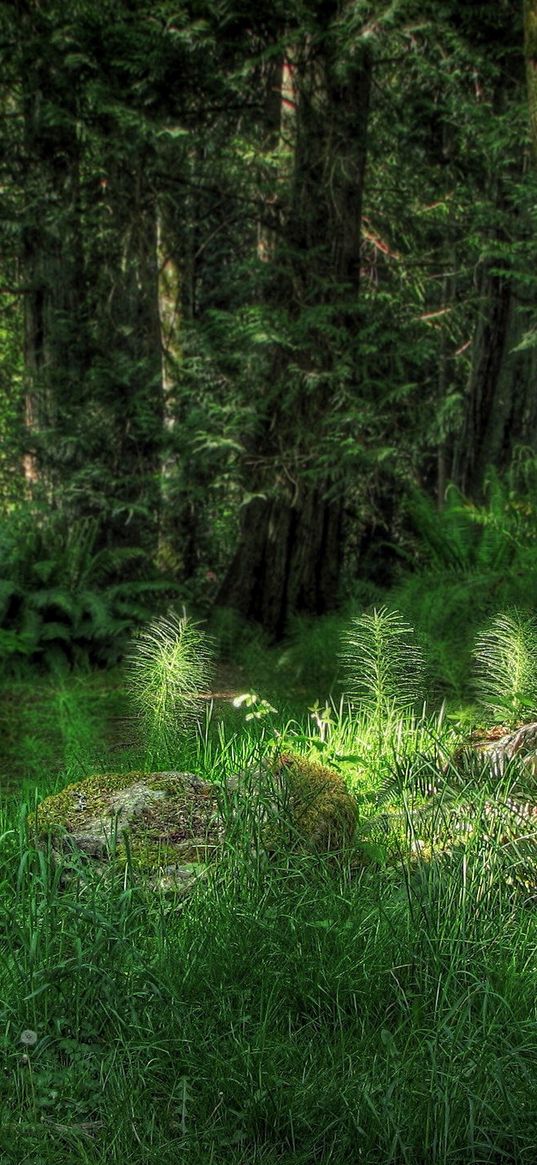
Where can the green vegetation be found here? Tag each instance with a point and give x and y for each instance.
(506, 668)
(382, 663)
(268, 481)
(292, 1007)
(169, 668)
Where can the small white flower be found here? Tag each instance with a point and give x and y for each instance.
(28, 1038)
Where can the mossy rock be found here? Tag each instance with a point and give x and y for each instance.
(172, 825)
(167, 824)
(322, 810)
(299, 804)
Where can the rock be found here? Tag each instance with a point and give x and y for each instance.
(499, 745)
(165, 823)
(307, 805)
(513, 820)
(171, 825)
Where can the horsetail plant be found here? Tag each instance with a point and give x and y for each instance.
(168, 670)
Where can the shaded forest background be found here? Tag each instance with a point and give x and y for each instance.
(268, 340)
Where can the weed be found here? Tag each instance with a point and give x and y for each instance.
(168, 670)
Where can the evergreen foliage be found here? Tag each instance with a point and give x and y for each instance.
(222, 328)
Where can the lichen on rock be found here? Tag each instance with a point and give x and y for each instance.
(170, 826)
(168, 818)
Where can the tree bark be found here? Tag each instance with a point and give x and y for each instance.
(501, 410)
(290, 544)
(287, 560)
(530, 52)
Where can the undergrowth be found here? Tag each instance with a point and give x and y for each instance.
(294, 1012)
(380, 1008)
(66, 598)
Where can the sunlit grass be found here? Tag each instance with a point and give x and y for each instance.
(294, 1010)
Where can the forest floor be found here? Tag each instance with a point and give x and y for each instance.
(46, 722)
(381, 1009)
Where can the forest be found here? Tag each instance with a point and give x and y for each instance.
(268, 582)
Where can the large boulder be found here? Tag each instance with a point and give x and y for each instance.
(172, 825)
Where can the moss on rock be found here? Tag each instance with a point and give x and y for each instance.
(167, 817)
(324, 810)
(172, 825)
(319, 806)
(296, 803)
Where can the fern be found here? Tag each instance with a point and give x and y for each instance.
(98, 607)
(505, 657)
(55, 631)
(55, 600)
(60, 595)
(462, 537)
(382, 662)
(112, 561)
(447, 538)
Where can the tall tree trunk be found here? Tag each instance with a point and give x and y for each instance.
(530, 51)
(55, 325)
(287, 560)
(289, 549)
(499, 408)
(501, 411)
(128, 350)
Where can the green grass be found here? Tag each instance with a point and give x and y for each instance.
(293, 1012)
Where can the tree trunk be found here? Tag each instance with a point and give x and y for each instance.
(128, 372)
(287, 560)
(290, 543)
(530, 52)
(501, 410)
(55, 325)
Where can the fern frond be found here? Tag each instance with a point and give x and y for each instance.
(96, 605)
(111, 561)
(52, 631)
(448, 537)
(53, 600)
